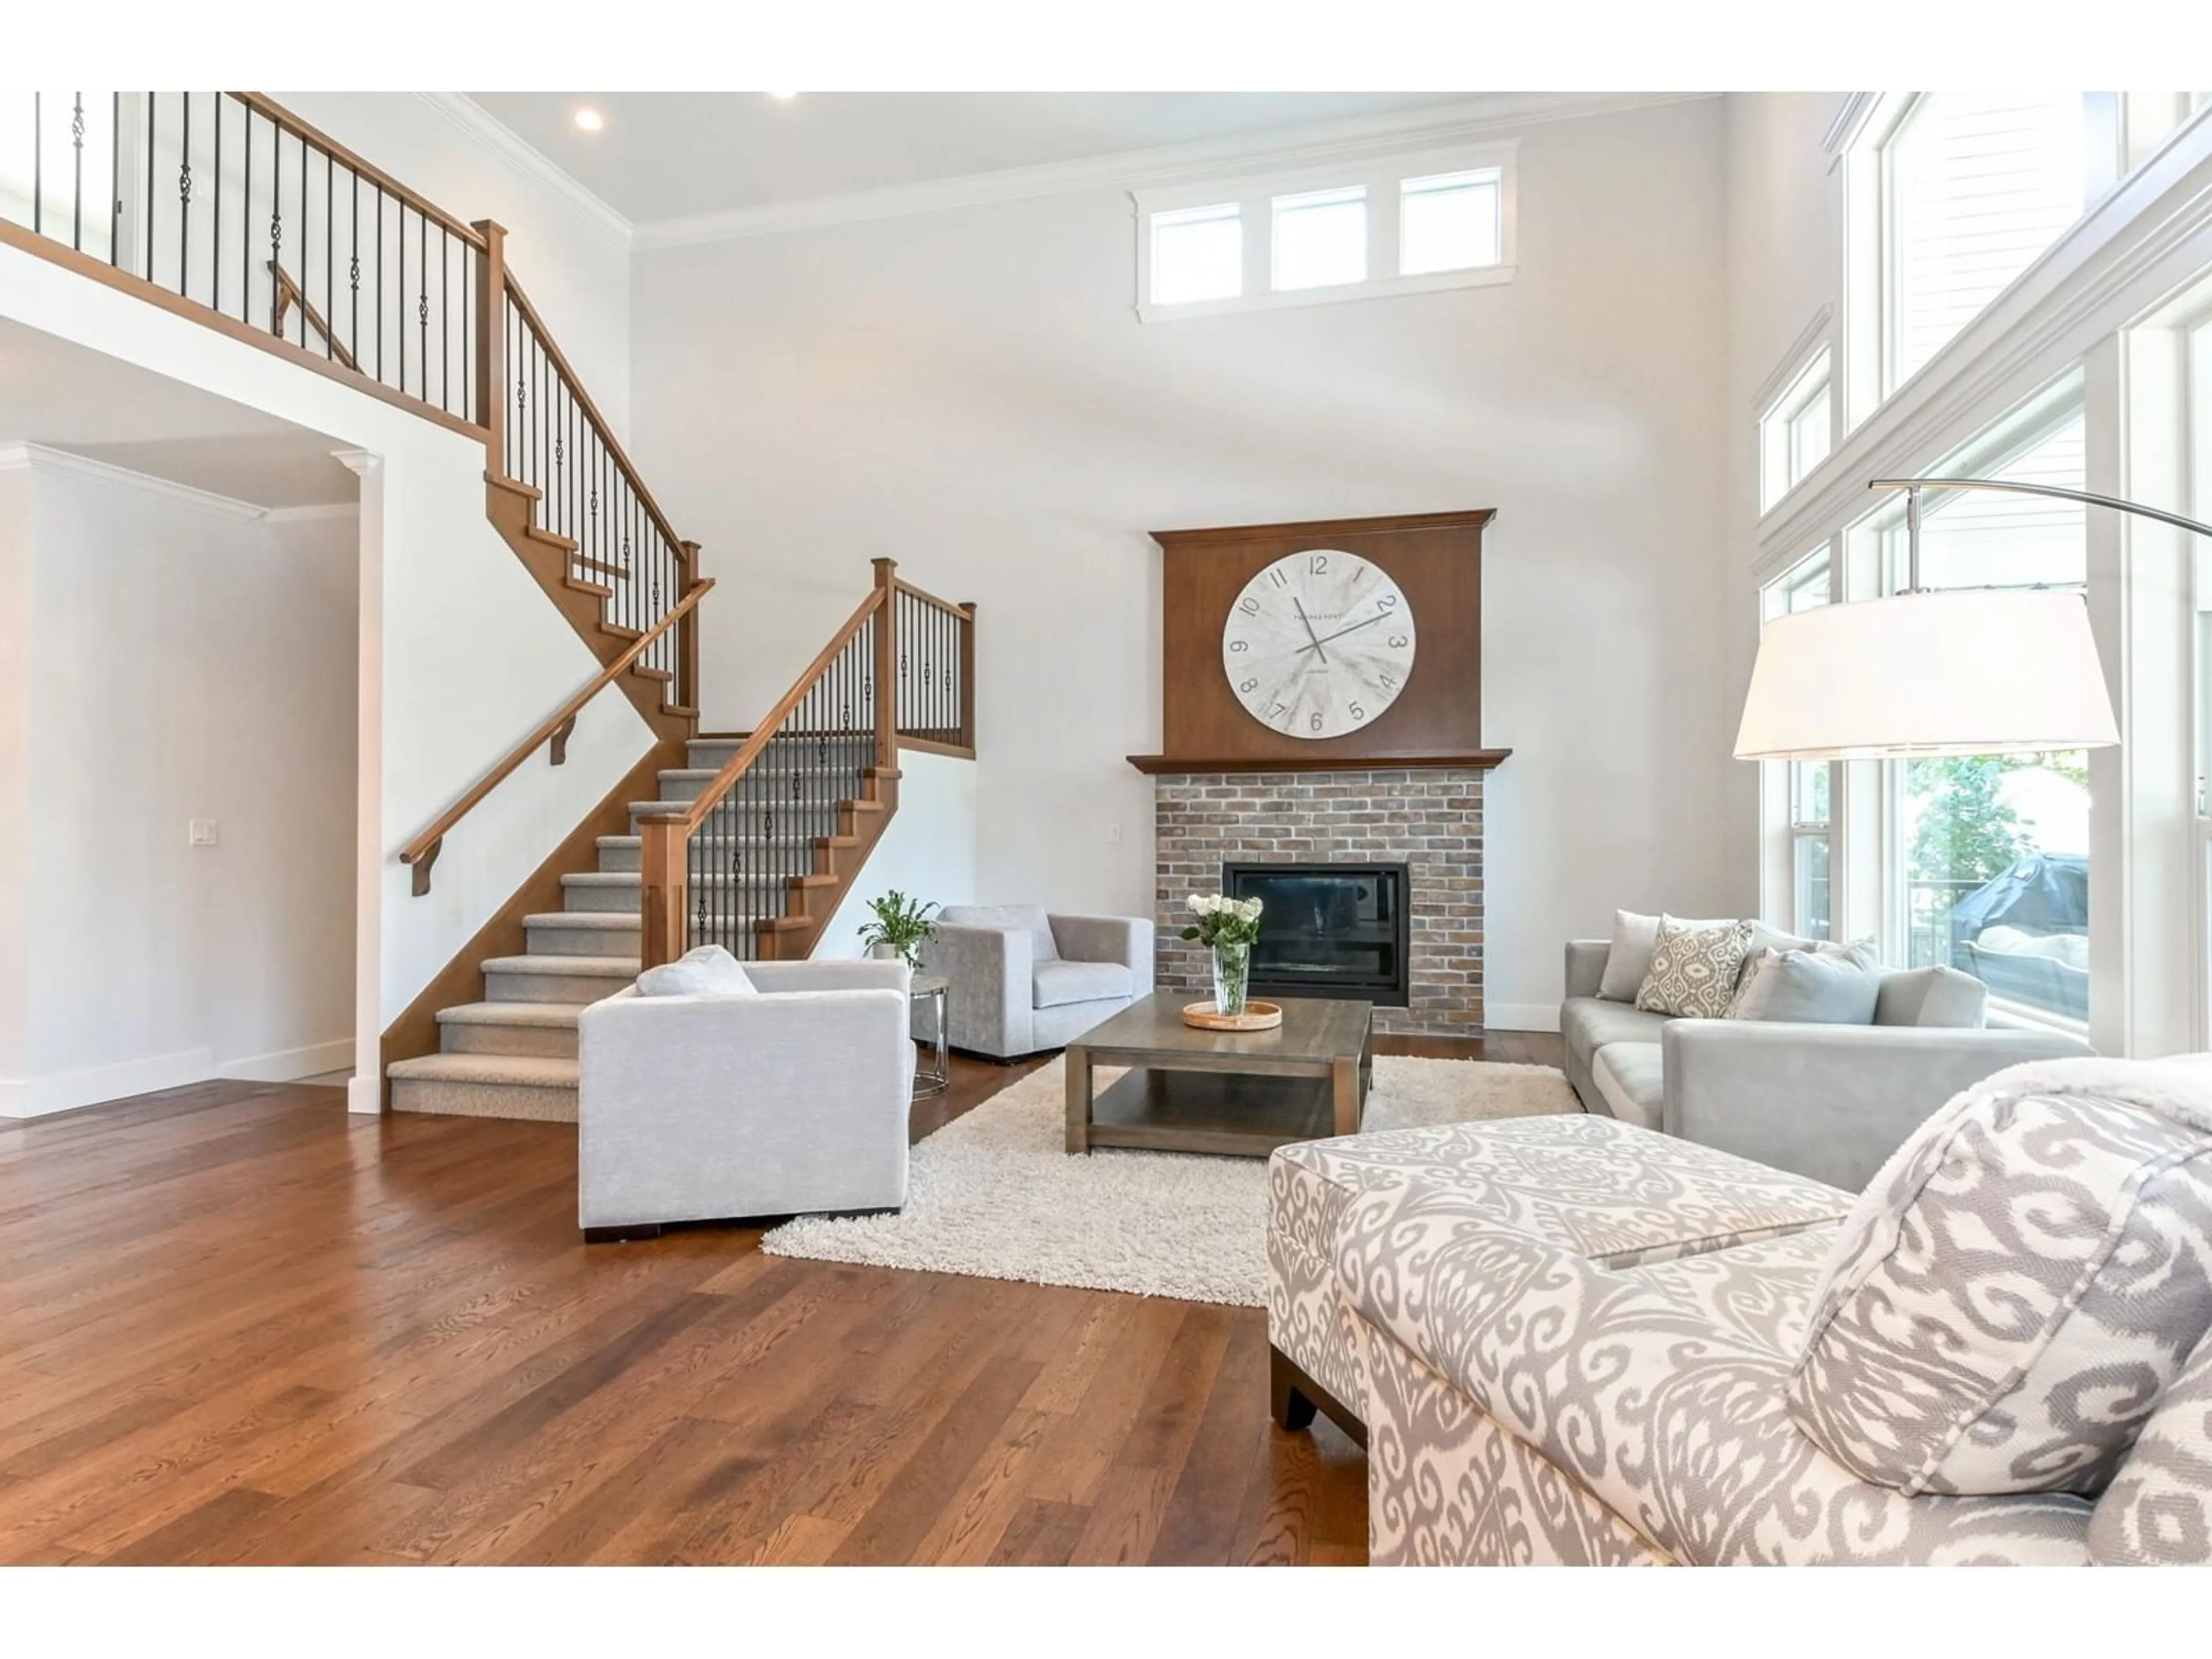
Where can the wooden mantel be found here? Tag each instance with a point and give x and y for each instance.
(1434, 560)
(1479, 760)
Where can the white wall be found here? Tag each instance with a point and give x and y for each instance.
(970, 393)
(572, 259)
(183, 663)
(927, 851)
(460, 653)
(15, 760)
(1784, 270)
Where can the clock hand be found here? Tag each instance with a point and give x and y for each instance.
(1308, 621)
(1340, 632)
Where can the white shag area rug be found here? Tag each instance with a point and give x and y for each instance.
(995, 1194)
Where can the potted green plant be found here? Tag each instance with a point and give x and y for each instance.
(900, 927)
(1226, 927)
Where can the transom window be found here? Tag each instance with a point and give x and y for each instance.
(1408, 224)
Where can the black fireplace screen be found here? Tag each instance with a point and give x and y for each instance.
(1327, 930)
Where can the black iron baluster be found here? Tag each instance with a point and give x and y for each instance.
(353, 273)
(215, 229)
(276, 228)
(76, 186)
(422, 305)
(445, 318)
(185, 195)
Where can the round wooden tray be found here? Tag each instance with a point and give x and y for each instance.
(1258, 1015)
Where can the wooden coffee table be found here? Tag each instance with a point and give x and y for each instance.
(1242, 1093)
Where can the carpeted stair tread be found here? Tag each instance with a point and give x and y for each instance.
(612, 968)
(525, 1071)
(511, 1013)
(612, 922)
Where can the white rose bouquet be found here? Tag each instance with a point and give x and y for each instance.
(1224, 921)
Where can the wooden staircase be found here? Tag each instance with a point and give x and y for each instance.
(513, 1053)
(753, 840)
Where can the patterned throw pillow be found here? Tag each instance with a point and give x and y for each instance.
(1693, 968)
(2019, 1284)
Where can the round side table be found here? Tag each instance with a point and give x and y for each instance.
(933, 1070)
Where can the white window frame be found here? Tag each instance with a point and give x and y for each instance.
(1810, 375)
(1381, 177)
(1878, 534)
(1786, 833)
(1862, 380)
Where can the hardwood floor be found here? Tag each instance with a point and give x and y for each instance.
(238, 1325)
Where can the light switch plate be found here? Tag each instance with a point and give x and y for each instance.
(201, 832)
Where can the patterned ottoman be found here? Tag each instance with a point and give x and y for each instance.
(1613, 1194)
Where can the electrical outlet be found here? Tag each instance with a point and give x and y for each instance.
(1113, 835)
(201, 832)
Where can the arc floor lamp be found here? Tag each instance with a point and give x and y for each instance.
(1986, 671)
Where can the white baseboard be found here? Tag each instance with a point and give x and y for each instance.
(65, 1091)
(1520, 1016)
(289, 1064)
(366, 1094)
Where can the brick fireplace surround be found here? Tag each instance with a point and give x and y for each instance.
(1430, 819)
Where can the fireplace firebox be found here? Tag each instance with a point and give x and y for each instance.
(1327, 930)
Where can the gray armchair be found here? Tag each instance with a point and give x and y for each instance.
(1021, 981)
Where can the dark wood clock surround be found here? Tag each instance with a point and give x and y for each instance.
(1436, 559)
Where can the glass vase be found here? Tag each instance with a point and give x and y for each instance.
(1233, 973)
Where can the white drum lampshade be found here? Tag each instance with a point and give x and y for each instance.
(1987, 672)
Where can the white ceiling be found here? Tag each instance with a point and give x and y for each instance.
(672, 154)
(68, 396)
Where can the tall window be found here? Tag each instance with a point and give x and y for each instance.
(1808, 786)
(1795, 430)
(1974, 187)
(1990, 857)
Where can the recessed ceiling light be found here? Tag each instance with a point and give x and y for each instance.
(783, 95)
(590, 120)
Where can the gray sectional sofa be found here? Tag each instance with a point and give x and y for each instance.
(1830, 1103)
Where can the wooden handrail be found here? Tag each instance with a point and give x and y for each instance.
(263, 106)
(929, 598)
(422, 851)
(734, 769)
(289, 293)
(606, 433)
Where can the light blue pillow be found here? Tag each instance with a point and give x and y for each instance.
(708, 971)
(1824, 985)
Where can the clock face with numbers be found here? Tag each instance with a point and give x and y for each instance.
(1318, 644)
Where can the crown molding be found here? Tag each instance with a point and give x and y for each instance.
(1280, 150)
(1850, 118)
(511, 147)
(26, 457)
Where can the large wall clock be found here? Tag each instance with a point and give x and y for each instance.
(1318, 644)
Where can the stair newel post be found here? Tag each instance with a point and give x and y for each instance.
(686, 639)
(663, 864)
(886, 668)
(490, 411)
(968, 675)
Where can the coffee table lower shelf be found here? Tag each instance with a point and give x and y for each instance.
(1228, 1113)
